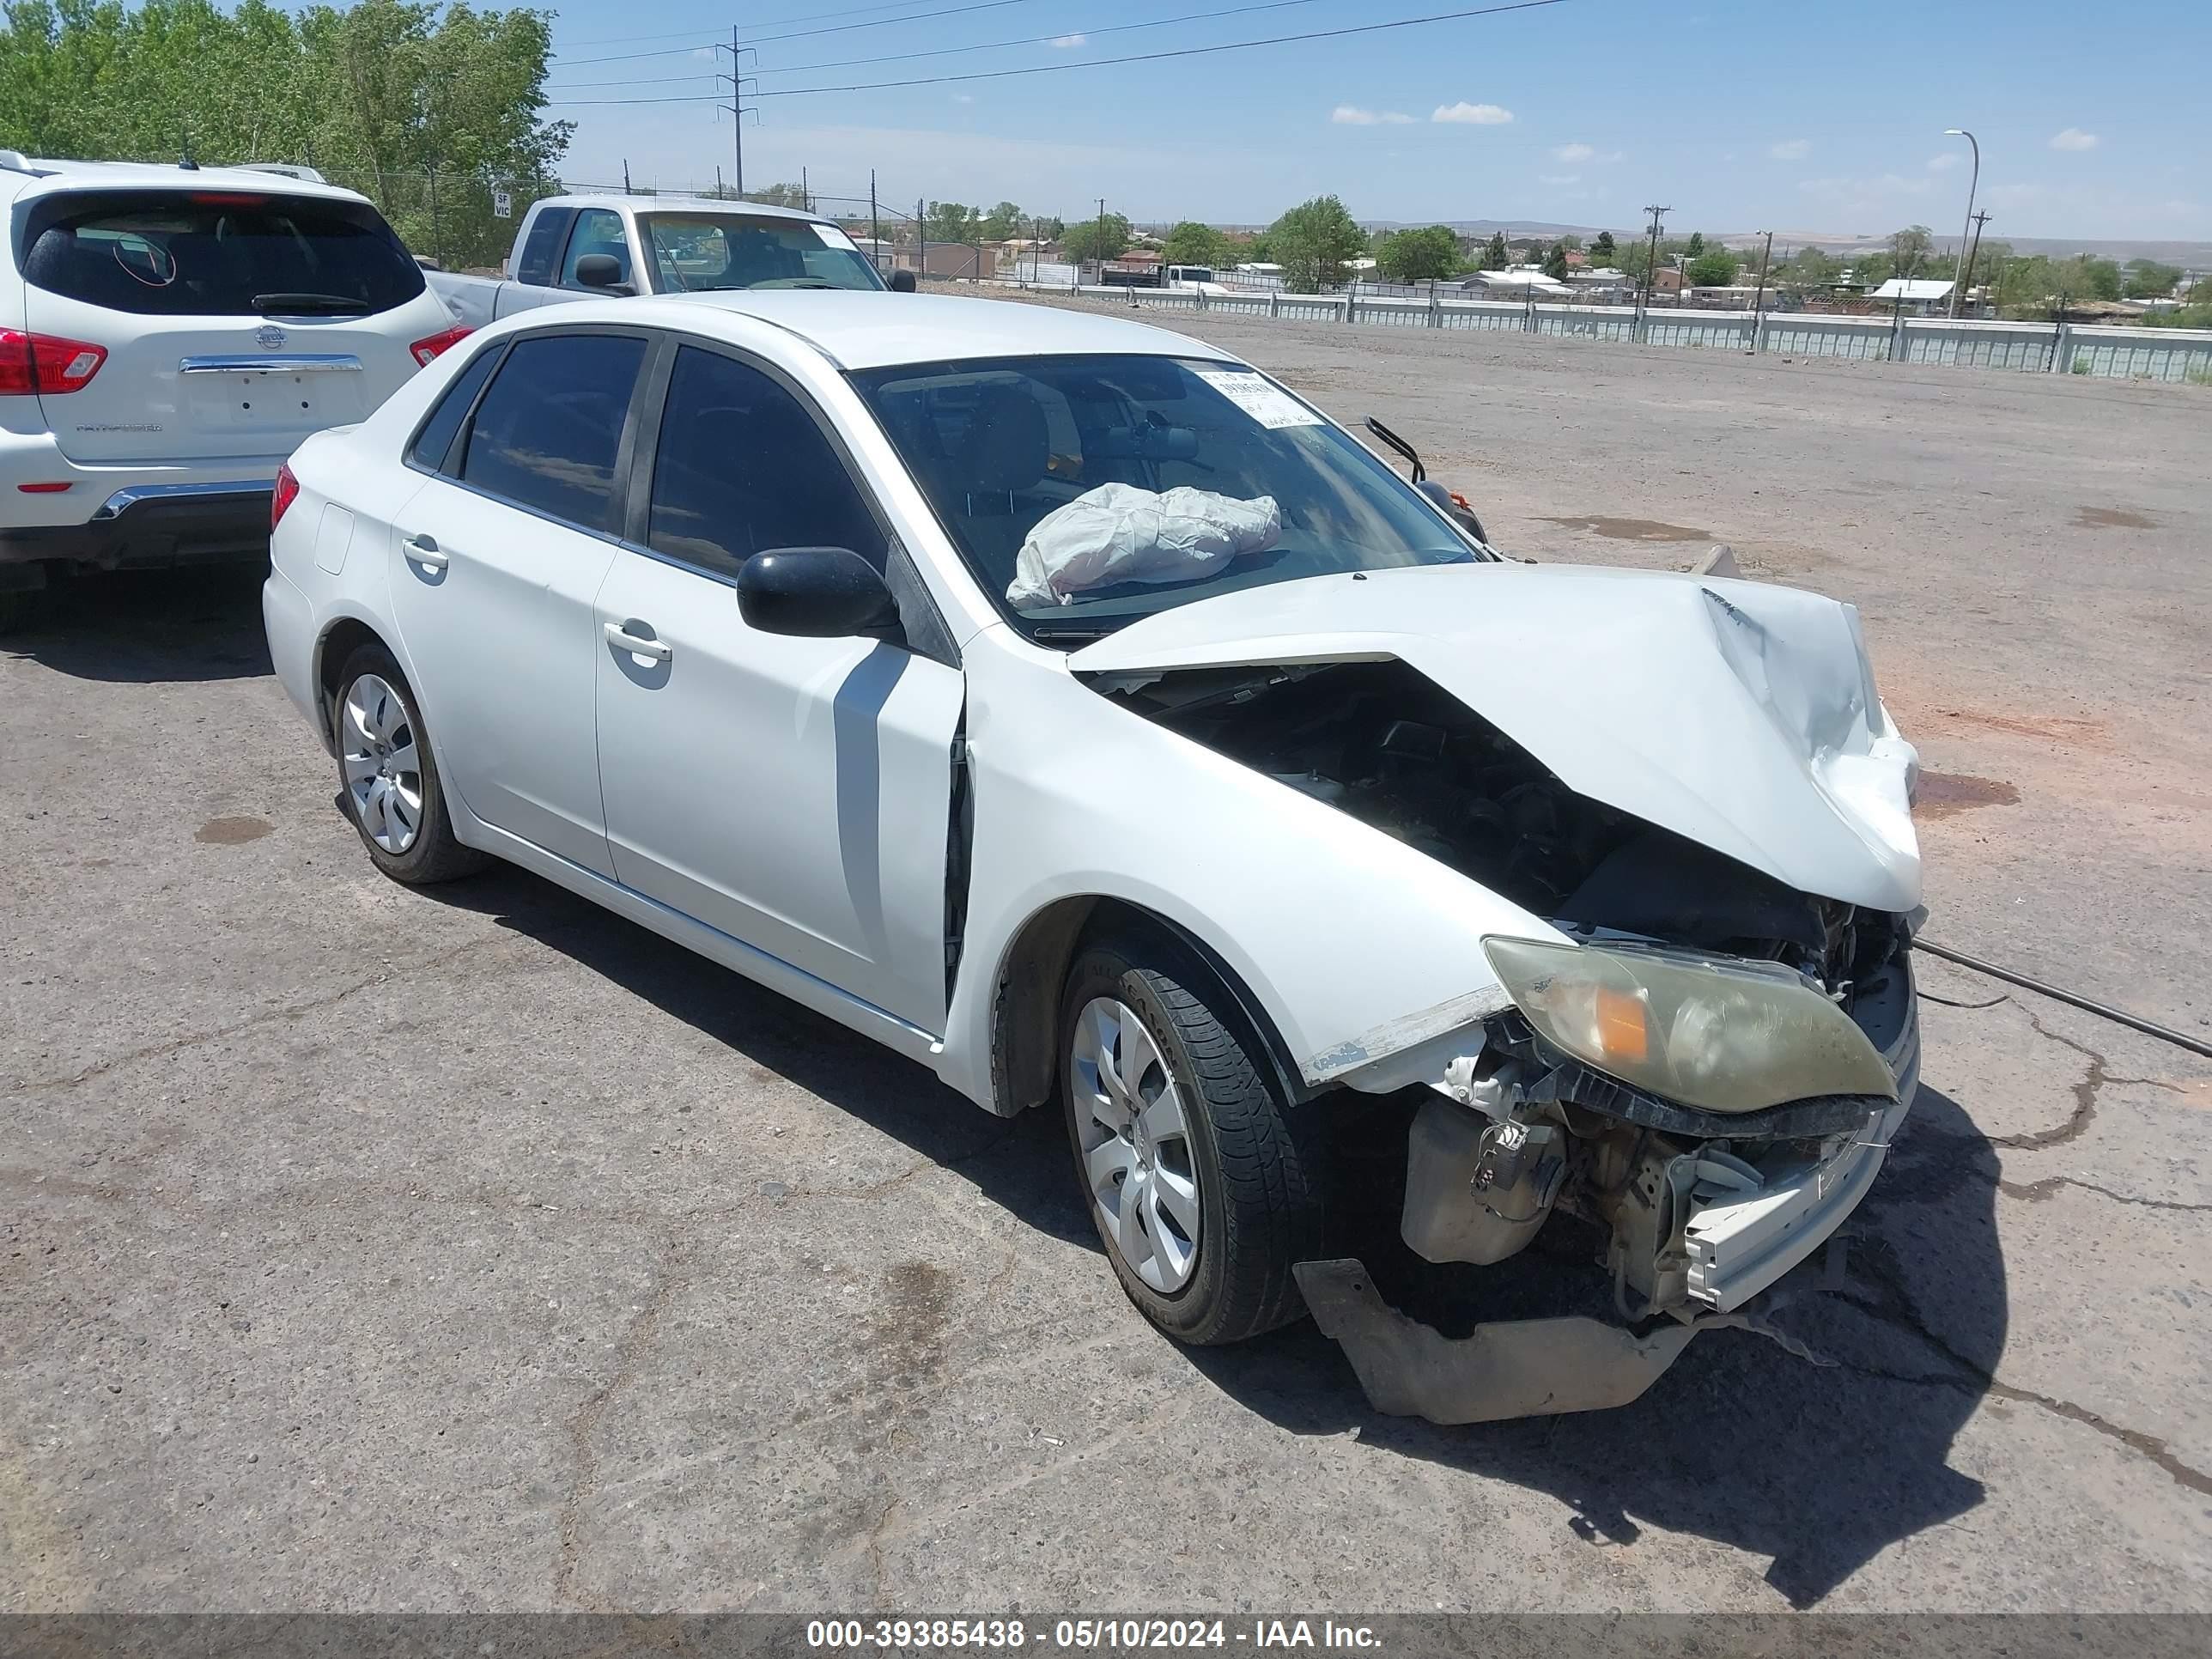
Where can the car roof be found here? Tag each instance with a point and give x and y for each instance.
(690, 204)
(859, 330)
(40, 176)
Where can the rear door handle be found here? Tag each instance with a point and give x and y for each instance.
(622, 639)
(423, 550)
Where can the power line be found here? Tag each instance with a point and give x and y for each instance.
(946, 51)
(881, 22)
(1091, 63)
(704, 45)
(764, 23)
(1041, 39)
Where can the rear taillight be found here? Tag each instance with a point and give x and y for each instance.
(46, 362)
(425, 350)
(287, 492)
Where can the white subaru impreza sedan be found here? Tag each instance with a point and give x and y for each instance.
(1065, 704)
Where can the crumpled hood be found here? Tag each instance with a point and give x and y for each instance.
(1739, 715)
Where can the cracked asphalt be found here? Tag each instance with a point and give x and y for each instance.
(363, 1249)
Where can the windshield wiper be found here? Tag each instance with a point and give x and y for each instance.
(297, 305)
(1085, 631)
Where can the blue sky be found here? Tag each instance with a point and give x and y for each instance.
(1740, 116)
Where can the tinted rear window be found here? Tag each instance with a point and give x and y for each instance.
(217, 253)
(547, 433)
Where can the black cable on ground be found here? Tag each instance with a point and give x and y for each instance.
(2102, 1010)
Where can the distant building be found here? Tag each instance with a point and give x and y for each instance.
(1917, 295)
(1603, 282)
(1516, 282)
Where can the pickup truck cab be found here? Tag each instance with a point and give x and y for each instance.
(168, 336)
(582, 247)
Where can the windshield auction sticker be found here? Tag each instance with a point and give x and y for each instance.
(1262, 399)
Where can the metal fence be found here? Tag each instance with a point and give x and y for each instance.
(2107, 352)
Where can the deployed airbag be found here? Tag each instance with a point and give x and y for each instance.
(1120, 534)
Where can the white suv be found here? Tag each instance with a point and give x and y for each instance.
(167, 336)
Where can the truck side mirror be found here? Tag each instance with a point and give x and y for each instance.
(602, 270)
(901, 282)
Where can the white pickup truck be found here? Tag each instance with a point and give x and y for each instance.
(573, 247)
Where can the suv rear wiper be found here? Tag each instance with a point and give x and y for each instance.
(303, 304)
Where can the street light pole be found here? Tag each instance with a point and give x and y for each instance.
(1958, 266)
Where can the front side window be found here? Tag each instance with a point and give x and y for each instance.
(741, 466)
(550, 428)
(1085, 492)
(700, 252)
(217, 253)
(597, 231)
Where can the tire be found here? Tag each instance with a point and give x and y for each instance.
(1254, 1160)
(400, 809)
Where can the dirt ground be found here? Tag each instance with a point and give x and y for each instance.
(362, 1248)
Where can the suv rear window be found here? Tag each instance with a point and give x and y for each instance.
(217, 253)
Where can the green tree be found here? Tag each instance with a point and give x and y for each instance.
(1909, 249)
(1555, 262)
(1192, 243)
(1497, 255)
(1313, 242)
(1003, 221)
(1421, 256)
(780, 194)
(949, 221)
(1635, 260)
(2084, 278)
(380, 96)
(1714, 268)
(1812, 267)
(2146, 279)
(1602, 251)
(1697, 244)
(1096, 239)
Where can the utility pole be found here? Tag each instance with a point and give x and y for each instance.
(875, 226)
(920, 239)
(1973, 249)
(1759, 300)
(805, 196)
(1651, 264)
(1098, 242)
(626, 175)
(737, 114)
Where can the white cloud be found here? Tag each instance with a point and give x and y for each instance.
(1351, 115)
(1475, 115)
(1945, 162)
(1558, 178)
(1573, 153)
(1065, 41)
(1790, 150)
(2074, 138)
(964, 98)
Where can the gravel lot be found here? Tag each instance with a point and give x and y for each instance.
(369, 1248)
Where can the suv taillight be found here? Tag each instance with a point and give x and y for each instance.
(287, 492)
(425, 350)
(46, 362)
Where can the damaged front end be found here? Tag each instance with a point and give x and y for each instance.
(1701, 1064)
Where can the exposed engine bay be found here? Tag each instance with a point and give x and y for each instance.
(1699, 1210)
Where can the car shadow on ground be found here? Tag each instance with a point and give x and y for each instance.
(191, 623)
(1817, 1466)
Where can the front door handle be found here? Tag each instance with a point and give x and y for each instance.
(424, 550)
(622, 639)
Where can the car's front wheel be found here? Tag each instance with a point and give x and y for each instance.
(390, 777)
(1205, 1183)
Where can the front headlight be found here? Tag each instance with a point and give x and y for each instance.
(1724, 1036)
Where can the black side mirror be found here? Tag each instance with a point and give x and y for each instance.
(816, 593)
(602, 270)
(901, 282)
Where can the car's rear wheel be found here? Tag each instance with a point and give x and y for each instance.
(390, 776)
(1204, 1183)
